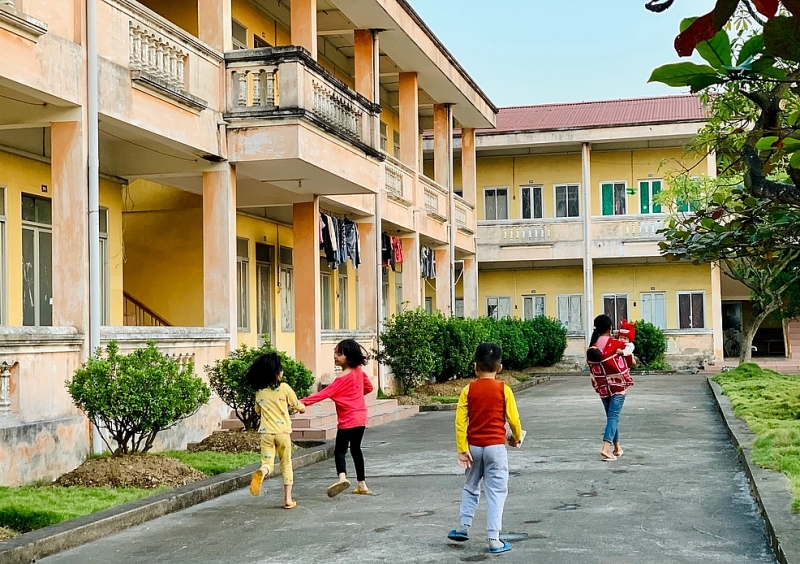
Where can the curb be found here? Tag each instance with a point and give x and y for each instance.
(452, 406)
(771, 490)
(28, 547)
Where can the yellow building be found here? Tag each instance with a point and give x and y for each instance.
(189, 211)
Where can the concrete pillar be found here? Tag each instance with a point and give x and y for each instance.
(470, 281)
(219, 250)
(364, 63)
(444, 285)
(308, 302)
(70, 247)
(409, 120)
(716, 312)
(214, 23)
(368, 299)
(469, 165)
(441, 144)
(412, 283)
(588, 266)
(304, 25)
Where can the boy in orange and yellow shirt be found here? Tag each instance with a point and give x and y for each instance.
(483, 409)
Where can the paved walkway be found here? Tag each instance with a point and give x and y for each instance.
(677, 495)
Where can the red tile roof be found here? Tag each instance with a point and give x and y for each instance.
(610, 113)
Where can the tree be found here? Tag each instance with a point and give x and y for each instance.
(754, 241)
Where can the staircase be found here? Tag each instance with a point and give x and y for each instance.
(319, 420)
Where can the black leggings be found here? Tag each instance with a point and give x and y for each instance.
(352, 438)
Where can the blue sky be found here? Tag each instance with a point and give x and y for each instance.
(542, 51)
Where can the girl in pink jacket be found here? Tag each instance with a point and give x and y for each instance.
(347, 391)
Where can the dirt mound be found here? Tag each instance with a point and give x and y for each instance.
(230, 441)
(423, 394)
(131, 471)
(6, 534)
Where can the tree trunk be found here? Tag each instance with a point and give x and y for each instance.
(746, 354)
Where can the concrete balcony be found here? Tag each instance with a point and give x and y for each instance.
(528, 240)
(626, 236)
(434, 201)
(466, 225)
(399, 181)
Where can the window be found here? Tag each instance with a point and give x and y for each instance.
(105, 270)
(496, 203)
(258, 42)
(616, 307)
(264, 262)
(459, 308)
(384, 136)
(287, 290)
(690, 310)
(567, 200)
(685, 207)
(396, 136)
(344, 310)
(429, 306)
(398, 292)
(570, 312)
(654, 308)
(326, 294)
(3, 318)
(242, 285)
(498, 307)
(239, 33)
(648, 189)
(614, 198)
(532, 306)
(37, 261)
(531, 202)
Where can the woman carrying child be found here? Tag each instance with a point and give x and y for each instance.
(347, 391)
(273, 401)
(610, 378)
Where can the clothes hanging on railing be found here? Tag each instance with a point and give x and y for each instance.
(397, 250)
(349, 242)
(330, 244)
(427, 263)
(339, 239)
(391, 251)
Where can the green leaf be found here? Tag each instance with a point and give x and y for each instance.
(765, 66)
(791, 145)
(717, 50)
(794, 162)
(686, 74)
(782, 38)
(751, 48)
(765, 143)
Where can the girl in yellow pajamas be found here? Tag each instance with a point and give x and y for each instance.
(273, 401)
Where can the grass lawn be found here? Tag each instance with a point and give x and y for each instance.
(770, 404)
(212, 463)
(33, 507)
(445, 399)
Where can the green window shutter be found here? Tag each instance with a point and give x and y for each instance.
(656, 184)
(644, 197)
(682, 206)
(608, 199)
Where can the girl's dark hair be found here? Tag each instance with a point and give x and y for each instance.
(602, 324)
(264, 371)
(355, 354)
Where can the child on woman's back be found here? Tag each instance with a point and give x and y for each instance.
(273, 401)
(347, 391)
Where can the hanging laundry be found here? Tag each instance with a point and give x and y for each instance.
(330, 245)
(350, 242)
(387, 256)
(427, 263)
(397, 250)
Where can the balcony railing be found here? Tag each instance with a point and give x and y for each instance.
(157, 56)
(627, 227)
(434, 197)
(398, 179)
(281, 82)
(530, 232)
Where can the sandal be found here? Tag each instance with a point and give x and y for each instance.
(359, 491)
(607, 457)
(256, 481)
(290, 505)
(337, 488)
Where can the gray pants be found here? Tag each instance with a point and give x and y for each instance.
(490, 464)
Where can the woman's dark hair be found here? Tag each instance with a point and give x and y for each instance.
(264, 371)
(355, 354)
(602, 325)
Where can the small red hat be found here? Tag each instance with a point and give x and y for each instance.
(627, 329)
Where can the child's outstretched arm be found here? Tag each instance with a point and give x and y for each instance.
(291, 399)
(512, 415)
(462, 420)
(324, 393)
(368, 387)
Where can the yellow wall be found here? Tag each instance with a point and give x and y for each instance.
(181, 13)
(20, 175)
(516, 283)
(259, 23)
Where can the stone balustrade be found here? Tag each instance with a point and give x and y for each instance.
(158, 57)
(393, 180)
(5, 386)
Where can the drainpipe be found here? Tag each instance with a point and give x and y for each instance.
(94, 190)
(451, 201)
(376, 98)
(588, 270)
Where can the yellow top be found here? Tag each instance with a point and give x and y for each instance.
(273, 405)
(511, 415)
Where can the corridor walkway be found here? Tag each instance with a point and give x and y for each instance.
(677, 495)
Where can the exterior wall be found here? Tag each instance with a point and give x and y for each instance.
(260, 24)
(549, 282)
(181, 13)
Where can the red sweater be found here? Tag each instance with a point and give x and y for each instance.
(347, 392)
(487, 412)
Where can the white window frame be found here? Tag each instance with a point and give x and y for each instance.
(678, 306)
(286, 291)
(242, 287)
(105, 273)
(384, 136)
(495, 189)
(498, 308)
(566, 186)
(614, 184)
(617, 296)
(571, 329)
(385, 296)
(38, 229)
(652, 318)
(459, 312)
(396, 143)
(398, 292)
(237, 43)
(429, 305)
(534, 298)
(532, 188)
(326, 298)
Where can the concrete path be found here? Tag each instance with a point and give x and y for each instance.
(677, 495)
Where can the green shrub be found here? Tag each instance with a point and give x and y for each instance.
(554, 339)
(535, 343)
(651, 344)
(460, 338)
(411, 344)
(511, 338)
(227, 379)
(136, 396)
